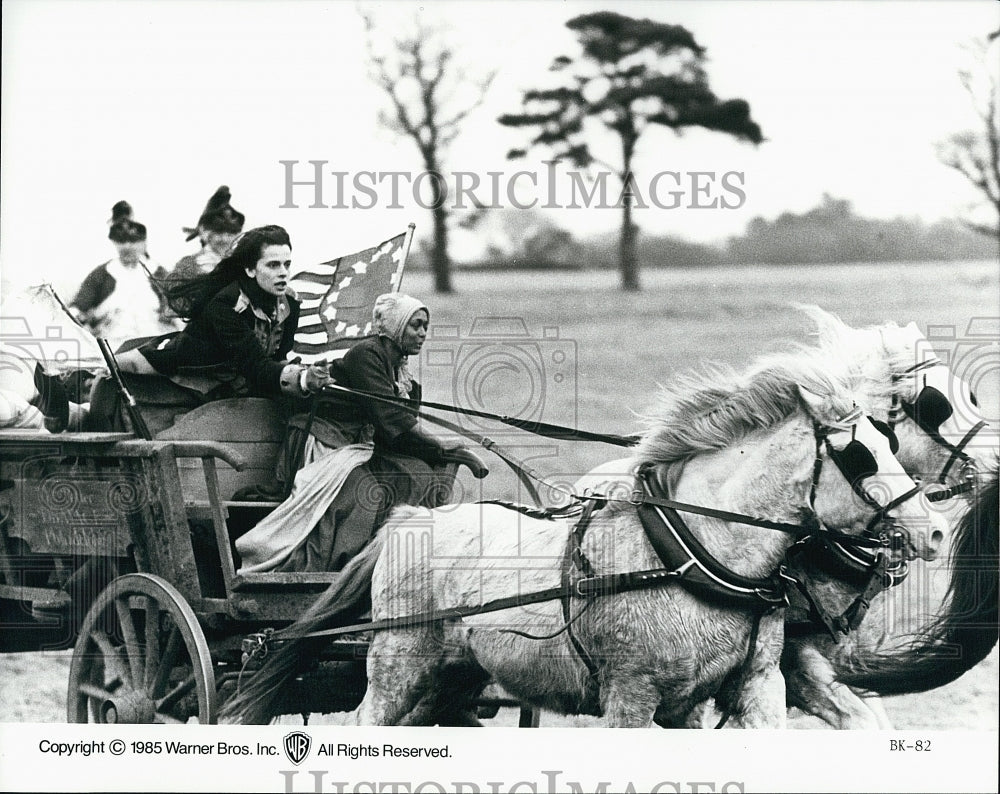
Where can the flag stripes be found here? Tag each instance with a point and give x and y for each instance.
(337, 297)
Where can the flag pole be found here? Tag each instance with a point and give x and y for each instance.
(406, 252)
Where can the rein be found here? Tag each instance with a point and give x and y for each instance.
(538, 428)
(809, 526)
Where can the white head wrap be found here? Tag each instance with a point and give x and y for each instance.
(390, 316)
(392, 313)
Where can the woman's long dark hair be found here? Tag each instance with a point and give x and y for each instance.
(189, 298)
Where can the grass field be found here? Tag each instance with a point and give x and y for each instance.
(592, 356)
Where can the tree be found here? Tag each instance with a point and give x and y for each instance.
(632, 74)
(430, 96)
(975, 154)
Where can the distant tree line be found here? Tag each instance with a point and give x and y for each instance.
(831, 232)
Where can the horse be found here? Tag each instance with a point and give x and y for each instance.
(627, 655)
(935, 417)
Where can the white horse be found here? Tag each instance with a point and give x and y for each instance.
(626, 655)
(941, 432)
(936, 419)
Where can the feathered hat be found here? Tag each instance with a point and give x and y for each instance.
(123, 228)
(219, 216)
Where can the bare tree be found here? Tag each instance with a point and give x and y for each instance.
(975, 153)
(431, 95)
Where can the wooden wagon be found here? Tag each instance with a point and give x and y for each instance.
(123, 549)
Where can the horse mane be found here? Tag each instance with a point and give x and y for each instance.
(875, 354)
(713, 408)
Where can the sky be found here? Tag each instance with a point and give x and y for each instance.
(161, 102)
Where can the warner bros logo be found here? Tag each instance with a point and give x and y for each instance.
(297, 746)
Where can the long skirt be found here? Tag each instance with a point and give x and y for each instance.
(340, 497)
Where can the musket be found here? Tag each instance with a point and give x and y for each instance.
(139, 425)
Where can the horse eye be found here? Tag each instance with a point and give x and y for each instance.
(972, 399)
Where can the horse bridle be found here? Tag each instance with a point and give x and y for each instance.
(929, 410)
(856, 463)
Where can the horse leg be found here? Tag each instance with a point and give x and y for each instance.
(874, 702)
(629, 701)
(759, 701)
(401, 677)
(812, 687)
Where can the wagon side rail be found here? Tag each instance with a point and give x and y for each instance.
(156, 524)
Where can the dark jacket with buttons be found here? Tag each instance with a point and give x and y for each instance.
(242, 330)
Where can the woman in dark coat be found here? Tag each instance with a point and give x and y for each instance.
(243, 318)
(361, 457)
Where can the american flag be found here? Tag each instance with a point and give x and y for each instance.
(337, 297)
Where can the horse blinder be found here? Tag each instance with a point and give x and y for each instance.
(855, 461)
(930, 410)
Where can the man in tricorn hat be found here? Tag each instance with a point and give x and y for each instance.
(118, 300)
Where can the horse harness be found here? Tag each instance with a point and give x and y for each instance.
(929, 411)
(686, 561)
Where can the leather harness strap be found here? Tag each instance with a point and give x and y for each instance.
(871, 576)
(574, 560)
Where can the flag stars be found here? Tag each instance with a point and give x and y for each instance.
(360, 268)
(330, 313)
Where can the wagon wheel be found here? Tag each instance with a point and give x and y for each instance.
(141, 657)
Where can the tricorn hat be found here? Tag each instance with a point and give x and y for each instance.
(219, 215)
(123, 228)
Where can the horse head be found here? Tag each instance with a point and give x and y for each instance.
(933, 411)
(885, 504)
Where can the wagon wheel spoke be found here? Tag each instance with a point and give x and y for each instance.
(167, 660)
(133, 653)
(96, 692)
(112, 656)
(169, 700)
(152, 644)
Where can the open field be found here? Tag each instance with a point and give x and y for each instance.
(592, 357)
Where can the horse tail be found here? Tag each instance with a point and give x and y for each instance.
(256, 702)
(965, 633)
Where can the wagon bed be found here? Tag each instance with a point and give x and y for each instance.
(124, 549)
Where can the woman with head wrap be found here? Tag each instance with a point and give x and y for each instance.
(118, 300)
(361, 457)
